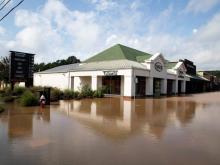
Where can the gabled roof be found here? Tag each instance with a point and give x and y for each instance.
(120, 52)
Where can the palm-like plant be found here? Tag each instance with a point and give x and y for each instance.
(4, 69)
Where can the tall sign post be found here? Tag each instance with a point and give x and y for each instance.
(21, 68)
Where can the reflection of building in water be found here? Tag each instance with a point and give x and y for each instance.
(117, 117)
(186, 111)
(44, 114)
(20, 125)
(20, 120)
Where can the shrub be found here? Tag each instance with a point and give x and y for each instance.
(86, 91)
(2, 93)
(19, 90)
(8, 98)
(76, 95)
(99, 93)
(8, 91)
(2, 109)
(35, 88)
(68, 94)
(55, 94)
(28, 99)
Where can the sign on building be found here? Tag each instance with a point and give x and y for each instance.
(110, 73)
(158, 66)
(21, 67)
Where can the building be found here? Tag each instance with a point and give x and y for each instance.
(122, 71)
(197, 82)
(213, 80)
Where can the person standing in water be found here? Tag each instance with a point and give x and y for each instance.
(42, 100)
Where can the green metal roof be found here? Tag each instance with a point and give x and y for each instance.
(120, 52)
(171, 65)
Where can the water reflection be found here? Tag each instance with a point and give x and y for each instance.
(19, 120)
(115, 117)
(112, 131)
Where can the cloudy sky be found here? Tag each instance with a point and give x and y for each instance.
(56, 29)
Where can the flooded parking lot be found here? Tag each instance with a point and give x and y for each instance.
(174, 130)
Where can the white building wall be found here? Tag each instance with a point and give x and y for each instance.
(77, 83)
(164, 86)
(149, 86)
(128, 86)
(122, 85)
(94, 84)
(59, 80)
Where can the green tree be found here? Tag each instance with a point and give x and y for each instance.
(43, 66)
(4, 69)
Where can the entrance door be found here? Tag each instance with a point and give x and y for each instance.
(140, 86)
(157, 87)
(112, 84)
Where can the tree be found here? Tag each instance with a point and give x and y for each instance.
(4, 69)
(43, 66)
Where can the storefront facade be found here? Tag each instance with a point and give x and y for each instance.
(121, 71)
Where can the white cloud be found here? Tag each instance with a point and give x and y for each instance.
(2, 30)
(55, 32)
(197, 6)
(102, 5)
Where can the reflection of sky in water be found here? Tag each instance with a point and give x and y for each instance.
(112, 130)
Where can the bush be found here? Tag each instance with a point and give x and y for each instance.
(2, 109)
(55, 94)
(76, 95)
(35, 88)
(19, 90)
(99, 93)
(68, 94)
(8, 98)
(28, 99)
(86, 91)
(8, 91)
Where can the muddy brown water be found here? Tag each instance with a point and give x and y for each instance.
(114, 131)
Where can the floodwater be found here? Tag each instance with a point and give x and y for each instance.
(114, 131)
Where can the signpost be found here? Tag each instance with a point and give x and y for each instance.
(21, 68)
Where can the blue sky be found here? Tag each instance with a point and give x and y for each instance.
(56, 29)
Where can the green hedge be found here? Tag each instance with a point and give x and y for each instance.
(19, 90)
(99, 93)
(28, 99)
(55, 94)
(86, 91)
